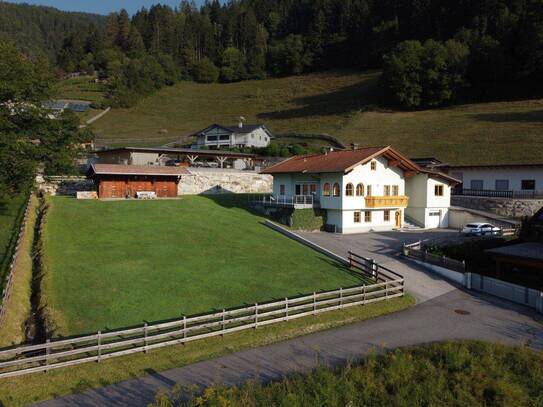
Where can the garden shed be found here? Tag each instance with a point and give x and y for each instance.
(125, 181)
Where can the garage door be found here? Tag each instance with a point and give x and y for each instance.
(434, 218)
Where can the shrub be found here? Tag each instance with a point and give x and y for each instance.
(205, 71)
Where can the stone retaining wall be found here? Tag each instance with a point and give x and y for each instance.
(64, 185)
(512, 208)
(210, 182)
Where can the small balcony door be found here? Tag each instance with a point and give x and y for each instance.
(306, 189)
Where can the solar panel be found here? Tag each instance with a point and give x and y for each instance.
(79, 107)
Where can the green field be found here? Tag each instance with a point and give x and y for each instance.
(11, 212)
(111, 264)
(81, 88)
(344, 104)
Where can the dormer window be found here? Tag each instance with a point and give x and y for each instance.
(373, 165)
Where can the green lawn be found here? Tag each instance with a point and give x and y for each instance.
(11, 212)
(110, 264)
(344, 104)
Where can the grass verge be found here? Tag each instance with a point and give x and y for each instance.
(30, 389)
(445, 374)
(12, 330)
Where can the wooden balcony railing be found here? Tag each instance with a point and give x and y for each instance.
(386, 201)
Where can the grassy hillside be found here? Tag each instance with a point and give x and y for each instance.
(343, 104)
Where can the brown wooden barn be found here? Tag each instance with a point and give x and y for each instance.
(122, 181)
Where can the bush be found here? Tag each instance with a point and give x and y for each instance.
(205, 71)
(307, 219)
(450, 374)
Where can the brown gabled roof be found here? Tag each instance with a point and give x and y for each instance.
(442, 176)
(340, 161)
(114, 169)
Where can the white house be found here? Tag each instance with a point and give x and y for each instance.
(241, 135)
(361, 190)
(514, 178)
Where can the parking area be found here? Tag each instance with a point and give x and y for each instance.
(385, 248)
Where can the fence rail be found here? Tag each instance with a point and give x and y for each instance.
(284, 201)
(104, 345)
(415, 251)
(6, 292)
(525, 194)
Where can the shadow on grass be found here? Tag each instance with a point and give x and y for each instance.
(534, 116)
(344, 100)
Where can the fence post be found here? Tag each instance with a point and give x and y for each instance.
(467, 280)
(223, 324)
(99, 346)
(386, 290)
(314, 303)
(145, 337)
(340, 297)
(364, 295)
(286, 309)
(256, 314)
(184, 329)
(47, 353)
(539, 303)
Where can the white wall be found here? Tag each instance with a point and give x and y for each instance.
(377, 221)
(423, 201)
(490, 175)
(258, 138)
(141, 158)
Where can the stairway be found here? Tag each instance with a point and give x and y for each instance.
(408, 224)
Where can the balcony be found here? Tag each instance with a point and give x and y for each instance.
(297, 201)
(386, 201)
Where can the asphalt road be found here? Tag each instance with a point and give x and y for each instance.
(443, 313)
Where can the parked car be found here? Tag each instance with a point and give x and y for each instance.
(481, 229)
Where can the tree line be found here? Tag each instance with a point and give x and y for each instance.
(432, 52)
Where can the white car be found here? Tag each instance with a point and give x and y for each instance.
(481, 229)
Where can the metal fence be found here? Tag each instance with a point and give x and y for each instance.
(105, 345)
(524, 194)
(6, 292)
(416, 251)
(284, 201)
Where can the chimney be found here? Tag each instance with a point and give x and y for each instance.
(354, 146)
(240, 123)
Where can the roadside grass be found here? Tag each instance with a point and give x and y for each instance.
(12, 330)
(113, 264)
(81, 88)
(446, 374)
(11, 214)
(344, 104)
(24, 390)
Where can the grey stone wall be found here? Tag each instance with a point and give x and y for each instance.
(513, 208)
(64, 185)
(219, 181)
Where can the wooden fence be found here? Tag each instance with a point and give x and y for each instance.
(105, 345)
(6, 292)
(415, 251)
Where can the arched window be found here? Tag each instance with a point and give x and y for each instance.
(326, 189)
(349, 189)
(360, 190)
(335, 190)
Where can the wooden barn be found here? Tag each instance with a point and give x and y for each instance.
(122, 181)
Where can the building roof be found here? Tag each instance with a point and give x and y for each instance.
(115, 169)
(529, 250)
(340, 161)
(245, 129)
(440, 175)
(184, 151)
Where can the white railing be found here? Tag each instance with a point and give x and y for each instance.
(105, 345)
(290, 201)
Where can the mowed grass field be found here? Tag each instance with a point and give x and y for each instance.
(112, 264)
(344, 104)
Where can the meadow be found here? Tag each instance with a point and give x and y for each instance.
(344, 104)
(112, 264)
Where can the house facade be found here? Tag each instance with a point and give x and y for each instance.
(514, 178)
(242, 135)
(361, 190)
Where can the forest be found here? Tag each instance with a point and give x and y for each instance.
(432, 52)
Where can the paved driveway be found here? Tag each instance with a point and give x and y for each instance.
(385, 248)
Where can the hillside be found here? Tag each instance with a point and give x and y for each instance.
(38, 30)
(342, 104)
